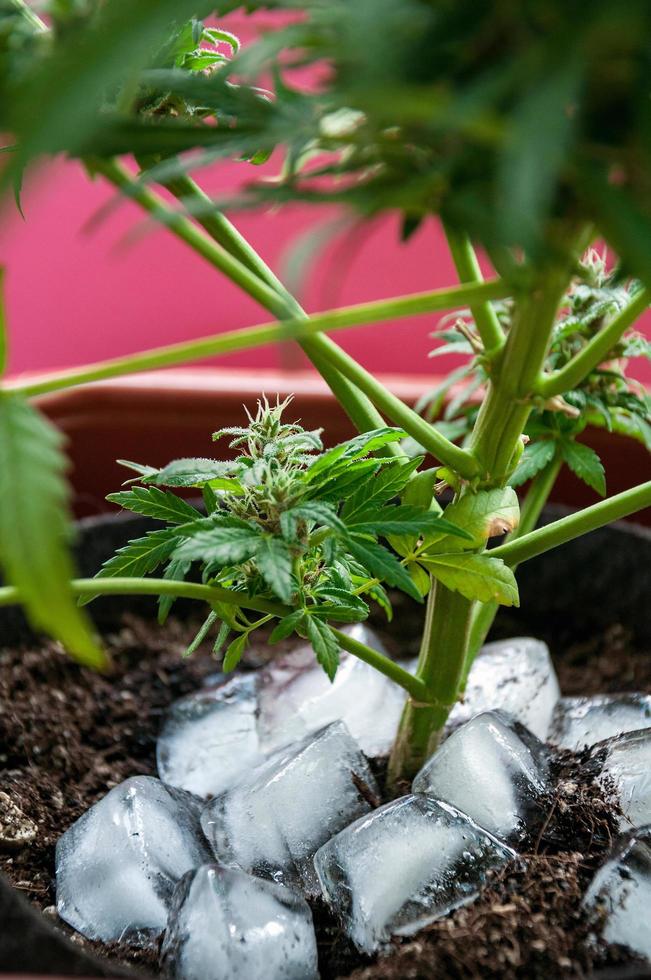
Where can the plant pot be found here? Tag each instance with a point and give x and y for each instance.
(152, 418)
(566, 596)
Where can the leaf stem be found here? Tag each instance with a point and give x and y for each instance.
(388, 667)
(595, 351)
(574, 525)
(467, 266)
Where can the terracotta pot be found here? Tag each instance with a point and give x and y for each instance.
(153, 418)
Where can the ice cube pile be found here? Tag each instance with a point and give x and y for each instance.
(495, 771)
(266, 798)
(274, 820)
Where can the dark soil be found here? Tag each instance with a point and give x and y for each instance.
(68, 735)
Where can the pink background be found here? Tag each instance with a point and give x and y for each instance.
(77, 294)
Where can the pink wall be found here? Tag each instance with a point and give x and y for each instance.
(76, 295)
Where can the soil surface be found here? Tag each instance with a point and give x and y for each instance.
(68, 735)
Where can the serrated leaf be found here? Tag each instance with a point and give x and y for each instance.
(339, 613)
(536, 456)
(221, 545)
(420, 578)
(406, 520)
(274, 561)
(194, 472)
(584, 462)
(286, 626)
(361, 445)
(348, 481)
(324, 644)
(139, 557)
(152, 502)
(176, 571)
(143, 471)
(476, 577)
(379, 488)
(482, 515)
(633, 426)
(382, 565)
(234, 653)
(201, 634)
(379, 594)
(313, 511)
(35, 529)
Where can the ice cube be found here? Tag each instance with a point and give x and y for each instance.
(273, 821)
(626, 768)
(619, 897)
(227, 925)
(579, 722)
(296, 698)
(210, 738)
(117, 866)
(404, 865)
(495, 771)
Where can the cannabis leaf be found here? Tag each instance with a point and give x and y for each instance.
(475, 577)
(274, 561)
(584, 462)
(325, 645)
(152, 502)
(536, 457)
(35, 530)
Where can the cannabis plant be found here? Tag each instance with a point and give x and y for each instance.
(525, 128)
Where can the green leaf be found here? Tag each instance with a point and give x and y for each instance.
(234, 652)
(138, 557)
(584, 462)
(475, 577)
(194, 473)
(406, 520)
(383, 565)
(152, 502)
(176, 571)
(536, 456)
(420, 577)
(420, 491)
(286, 626)
(221, 545)
(35, 529)
(379, 488)
(313, 511)
(482, 515)
(202, 632)
(143, 471)
(4, 340)
(324, 644)
(340, 613)
(361, 445)
(348, 481)
(274, 561)
(379, 594)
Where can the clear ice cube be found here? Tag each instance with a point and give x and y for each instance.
(117, 866)
(273, 821)
(518, 677)
(619, 896)
(404, 865)
(579, 722)
(296, 698)
(227, 925)
(210, 738)
(626, 761)
(495, 771)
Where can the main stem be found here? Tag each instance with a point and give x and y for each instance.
(499, 427)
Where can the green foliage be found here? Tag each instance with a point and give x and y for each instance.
(606, 397)
(34, 527)
(283, 525)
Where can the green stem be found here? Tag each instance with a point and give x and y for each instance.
(595, 351)
(29, 15)
(468, 270)
(574, 525)
(386, 666)
(91, 587)
(357, 406)
(498, 429)
(535, 500)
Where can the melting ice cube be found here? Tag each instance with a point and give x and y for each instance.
(296, 698)
(210, 738)
(619, 896)
(227, 925)
(627, 770)
(404, 865)
(495, 771)
(516, 676)
(117, 866)
(579, 722)
(273, 821)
